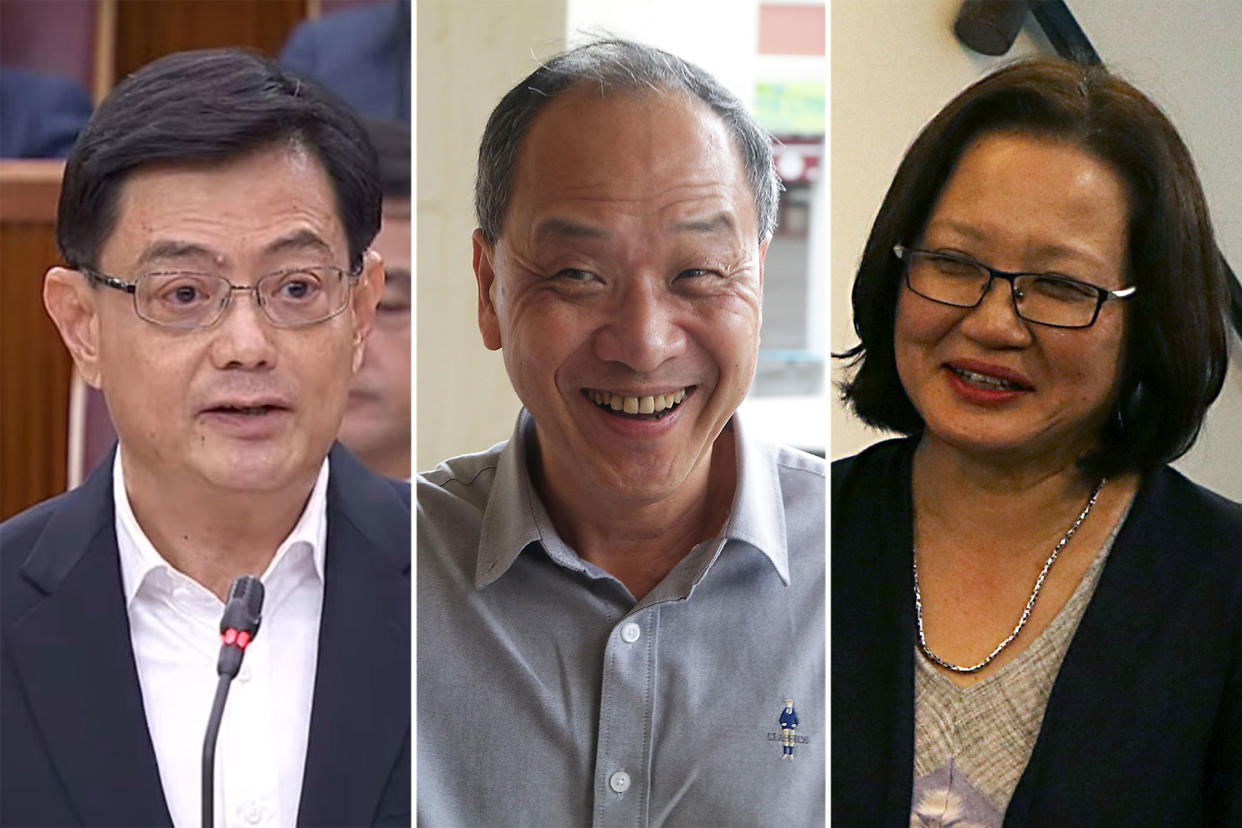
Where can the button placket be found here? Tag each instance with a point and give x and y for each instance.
(623, 747)
(250, 758)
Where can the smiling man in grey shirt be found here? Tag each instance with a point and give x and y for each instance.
(621, 608)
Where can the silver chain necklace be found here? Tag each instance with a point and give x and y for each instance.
(1030, 603)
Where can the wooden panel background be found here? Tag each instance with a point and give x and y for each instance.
(147, 29)
(34, 366)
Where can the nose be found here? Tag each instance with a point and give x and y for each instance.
(243, 338)
(640, 329)
(994, 321)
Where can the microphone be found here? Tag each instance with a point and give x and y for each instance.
(240, 623)
(238, 627)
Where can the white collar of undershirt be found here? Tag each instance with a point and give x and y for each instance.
(140, 558)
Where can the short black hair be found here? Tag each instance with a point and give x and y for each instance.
(626, 66)
(391, 140)
(1176, 348)
(213, 104)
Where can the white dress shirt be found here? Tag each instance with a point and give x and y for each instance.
(175, 631)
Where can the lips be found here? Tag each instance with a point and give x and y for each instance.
(245, 409)
(247, 405)
(247, 418)
(989, 377)
(646, 406)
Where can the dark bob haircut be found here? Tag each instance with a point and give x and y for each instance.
(208, 105)
(1176, 345)
(614, 65)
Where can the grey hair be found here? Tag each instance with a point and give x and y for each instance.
(626, 66)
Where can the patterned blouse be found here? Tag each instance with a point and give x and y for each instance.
(971, 744)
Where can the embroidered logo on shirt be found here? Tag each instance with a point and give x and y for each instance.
(789, 723)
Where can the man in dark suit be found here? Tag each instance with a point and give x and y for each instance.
(361, 54)
(42, 113)
(377, 420)
(215, 220)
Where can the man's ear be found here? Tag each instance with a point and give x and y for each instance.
(485, 275)
(366, 297)
(73, 305)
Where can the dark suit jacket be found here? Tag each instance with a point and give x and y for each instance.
(361, 54)
(43, 114)
(74, 746)
(1144, 723)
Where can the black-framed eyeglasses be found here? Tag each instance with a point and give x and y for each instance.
(1042, 298)
(187, 300)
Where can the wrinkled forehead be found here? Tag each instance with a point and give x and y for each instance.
(270, 201)
(628, 146)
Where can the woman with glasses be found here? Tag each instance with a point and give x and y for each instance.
(1035, 620)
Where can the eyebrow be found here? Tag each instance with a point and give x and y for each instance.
(173, 249)
(573, 229)
(569, 229)
(1052, 250)
(398, 278)
(715, 224)
(166, 249)
(299, 240)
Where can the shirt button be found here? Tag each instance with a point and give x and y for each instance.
(252, 813)
(619, 781)
(631, 633)
(244, 675)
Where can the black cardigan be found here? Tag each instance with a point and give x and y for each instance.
(1144, 724)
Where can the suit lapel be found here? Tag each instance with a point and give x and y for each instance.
(1084, 696)
(873, 639)
(360, 721)
(73, 656)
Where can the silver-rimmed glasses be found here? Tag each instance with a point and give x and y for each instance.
(1042, 298)
(291, 298)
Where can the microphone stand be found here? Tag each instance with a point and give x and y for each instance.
(238, 627)
(209, 748)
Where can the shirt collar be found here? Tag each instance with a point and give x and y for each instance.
(757, 517)
(515, 517)
(139, 557)
(510, 521)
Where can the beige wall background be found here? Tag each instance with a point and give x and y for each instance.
(469, 52)
(894, 63)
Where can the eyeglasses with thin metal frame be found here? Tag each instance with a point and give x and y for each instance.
(1043, 298)
(291, 298)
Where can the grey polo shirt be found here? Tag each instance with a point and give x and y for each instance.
(547, 696)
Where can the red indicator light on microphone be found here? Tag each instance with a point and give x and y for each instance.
(240, 640)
